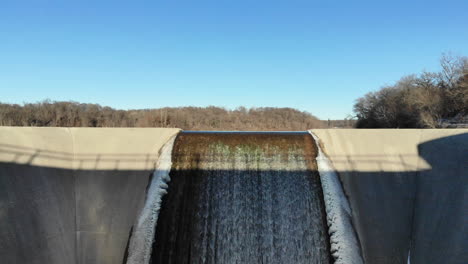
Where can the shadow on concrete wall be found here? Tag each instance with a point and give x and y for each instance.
(420, 211)
(53, 215)
(26, 155)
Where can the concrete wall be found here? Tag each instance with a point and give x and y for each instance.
(71, 195)
(408, 190)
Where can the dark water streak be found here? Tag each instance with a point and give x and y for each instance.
(242, 198)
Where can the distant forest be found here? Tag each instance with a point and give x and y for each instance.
(426, 100)
(73, 114)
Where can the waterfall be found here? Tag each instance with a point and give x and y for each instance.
(344, 243)
(243, 198)
(141, 241)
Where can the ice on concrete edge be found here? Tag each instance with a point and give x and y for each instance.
(344, 244)
(141, 241)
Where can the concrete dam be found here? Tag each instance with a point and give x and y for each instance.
(153, 195)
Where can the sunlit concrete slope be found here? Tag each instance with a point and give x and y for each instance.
(408, 191)
(71, 195)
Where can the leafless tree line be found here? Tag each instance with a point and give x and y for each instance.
(426, 100)
(73, 114)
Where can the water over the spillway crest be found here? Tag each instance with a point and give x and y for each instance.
(242, 198)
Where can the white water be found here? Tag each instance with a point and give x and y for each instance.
(252, 203)
(344, 243)
(139, 251)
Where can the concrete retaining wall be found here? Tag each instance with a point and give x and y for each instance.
(408, 191)
(72, 195)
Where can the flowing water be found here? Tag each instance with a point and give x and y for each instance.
(242, 198)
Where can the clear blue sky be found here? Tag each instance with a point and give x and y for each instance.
(317, 56)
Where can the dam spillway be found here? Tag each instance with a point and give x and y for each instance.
(242, 198)
(75, 195)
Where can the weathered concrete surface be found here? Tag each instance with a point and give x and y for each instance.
(72, 195)
(408, 190)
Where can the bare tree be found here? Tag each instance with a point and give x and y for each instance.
(49, 113)
(418, 101)
(452, 69)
